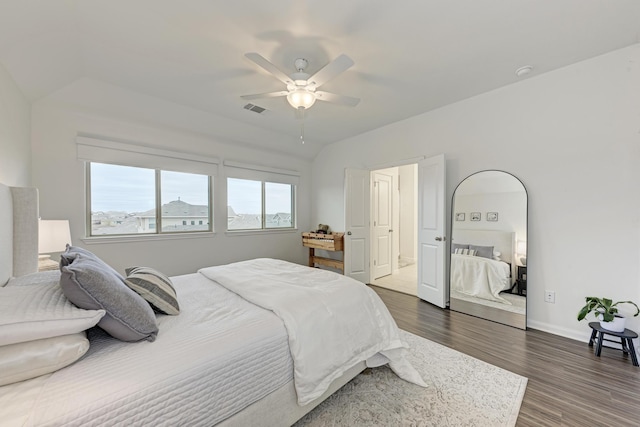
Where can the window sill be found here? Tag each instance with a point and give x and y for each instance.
(259, 232)
(146, 237)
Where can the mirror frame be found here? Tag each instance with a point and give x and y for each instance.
(507, 320)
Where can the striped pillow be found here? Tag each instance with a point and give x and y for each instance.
(154, 287)
(471, 252)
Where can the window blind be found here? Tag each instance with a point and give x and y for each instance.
(233, 169)
(127, 154)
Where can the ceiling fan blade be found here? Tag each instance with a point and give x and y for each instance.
(265, 95)
(261, 61)
(332, 69)
(337, 99)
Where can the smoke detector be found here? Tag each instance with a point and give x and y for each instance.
(523, 71)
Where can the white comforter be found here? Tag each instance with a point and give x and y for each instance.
(480, 277)
(333, 321)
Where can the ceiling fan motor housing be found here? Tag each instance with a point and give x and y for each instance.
(301, 64)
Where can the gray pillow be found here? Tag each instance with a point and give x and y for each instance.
(70, 254)
(91, 284)
(455, 246)
(483, 251)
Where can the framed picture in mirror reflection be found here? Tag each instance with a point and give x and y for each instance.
(460, 216)
(474, 216)
(492, 216)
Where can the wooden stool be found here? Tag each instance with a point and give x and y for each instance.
(626, 340)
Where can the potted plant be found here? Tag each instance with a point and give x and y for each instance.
(606, 312)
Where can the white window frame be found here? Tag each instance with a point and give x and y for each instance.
(127, 154)
(239, 170)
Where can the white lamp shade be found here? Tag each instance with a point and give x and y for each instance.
(521, 247)
(53, 236)
(301, 98)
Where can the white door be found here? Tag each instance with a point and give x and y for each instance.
(382, 225)
(357, 211)
(432, 283)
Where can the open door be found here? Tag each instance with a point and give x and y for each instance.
(357, 211)
(432, 283)
(382, 225)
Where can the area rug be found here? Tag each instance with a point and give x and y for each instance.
(462, 391)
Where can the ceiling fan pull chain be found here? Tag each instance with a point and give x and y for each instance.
(302, 129)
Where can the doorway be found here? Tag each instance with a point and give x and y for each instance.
(394, 228)
(431, 257)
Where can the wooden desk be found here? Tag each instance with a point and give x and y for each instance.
(329, 242)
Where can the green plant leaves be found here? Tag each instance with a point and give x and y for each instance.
(604, 306)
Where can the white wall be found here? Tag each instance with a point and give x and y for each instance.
(572, 136)
(93, 108)
(15, 151)
(511, 208)
(408, 213)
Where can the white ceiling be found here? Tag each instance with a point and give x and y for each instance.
(411, 56)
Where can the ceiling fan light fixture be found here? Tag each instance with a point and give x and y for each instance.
(301, 98)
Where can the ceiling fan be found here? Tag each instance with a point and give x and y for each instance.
(302, 88)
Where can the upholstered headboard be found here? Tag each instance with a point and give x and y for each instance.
(18, 232)
(502, 241)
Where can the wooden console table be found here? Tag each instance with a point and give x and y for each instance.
(329, 242)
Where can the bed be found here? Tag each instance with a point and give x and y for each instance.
(481, 263)
(238, 348)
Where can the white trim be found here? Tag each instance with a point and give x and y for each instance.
(237, 233)
(145, 237)
(396, 163)
(563, 332)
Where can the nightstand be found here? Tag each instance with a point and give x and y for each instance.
(47, 264)
(521, 279)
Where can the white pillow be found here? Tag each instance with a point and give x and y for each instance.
(26, 360)
(34, 312)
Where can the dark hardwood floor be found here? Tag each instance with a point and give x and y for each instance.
(568, 385)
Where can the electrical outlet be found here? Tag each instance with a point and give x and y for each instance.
(550, 297)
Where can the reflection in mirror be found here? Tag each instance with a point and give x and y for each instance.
(488, 269)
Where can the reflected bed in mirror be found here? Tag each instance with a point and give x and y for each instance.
(486, 252)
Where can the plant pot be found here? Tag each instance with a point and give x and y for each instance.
(616, 325)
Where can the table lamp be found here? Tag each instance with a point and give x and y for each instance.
(521, 251)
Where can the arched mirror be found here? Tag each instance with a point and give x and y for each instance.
(488, 269)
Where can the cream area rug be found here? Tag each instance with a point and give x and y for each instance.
(462, 391)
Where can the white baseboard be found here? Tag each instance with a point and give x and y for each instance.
(570, 333)
(407, 261)
(563, 332)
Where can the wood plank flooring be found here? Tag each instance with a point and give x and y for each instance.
(568, 385)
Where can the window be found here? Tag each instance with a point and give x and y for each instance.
(125, 200)
(255, 205)
(184, 195)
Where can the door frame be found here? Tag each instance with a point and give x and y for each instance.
(366, 278)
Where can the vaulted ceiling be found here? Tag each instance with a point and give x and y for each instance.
(411, 56)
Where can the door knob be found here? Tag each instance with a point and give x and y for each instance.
(390, 231)
(441, 239)
(348, 233)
